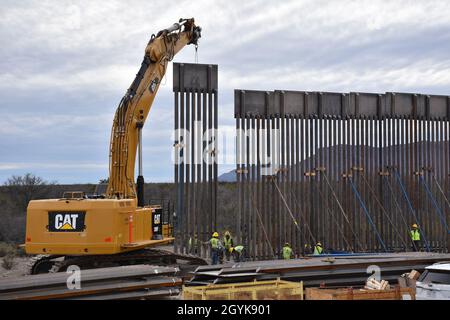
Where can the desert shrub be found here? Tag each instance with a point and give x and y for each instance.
(8, 262)
(7, 249)
(15, 194)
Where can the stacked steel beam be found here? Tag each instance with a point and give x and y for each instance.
(348, 270)
(196, 119)
(352, 170)
(118, 283)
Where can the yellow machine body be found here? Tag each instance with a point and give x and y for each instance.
(78, 225)
(88, 227)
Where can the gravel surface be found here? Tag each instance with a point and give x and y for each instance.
(19, 268)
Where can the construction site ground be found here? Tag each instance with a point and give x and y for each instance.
(167, 282)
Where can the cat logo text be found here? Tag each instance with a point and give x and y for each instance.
(66, 221)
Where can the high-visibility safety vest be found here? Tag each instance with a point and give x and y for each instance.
(214, 243)
(415, 235)
(195, 241)
(287, 252)
(318, 250)
(239, 248)
(228, 243)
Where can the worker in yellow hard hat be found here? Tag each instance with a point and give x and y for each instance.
(415, 237)
(227, 243)
(307, 249)
(193, 245)
(318, 249)
(215, 248)
(287, 252)
(238, 253)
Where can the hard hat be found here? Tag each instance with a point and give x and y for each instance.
(215, 234)
(231, 249)
(414, 225)
(227, 233)
(287, 244)
(319, 244)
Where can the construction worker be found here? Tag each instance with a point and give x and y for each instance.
(193, 245)
(415, 237)
(318, 249)
(228, 244)
(237, 252)
(215, 248)
(287, 251)
(307, 249)
(221, 252)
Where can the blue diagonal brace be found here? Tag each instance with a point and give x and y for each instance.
(411, 208)
(435, 204)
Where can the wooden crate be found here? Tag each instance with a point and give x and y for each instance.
(257, 290)
(360, 294)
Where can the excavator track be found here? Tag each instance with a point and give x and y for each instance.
(41, 263)
(143, 256)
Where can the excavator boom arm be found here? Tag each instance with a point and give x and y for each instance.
(137, 102)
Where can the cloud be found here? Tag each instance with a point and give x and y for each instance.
(109, 78)
(28, 124)
(424, 73)
(9, 166)
(48, 165)
(65, 65)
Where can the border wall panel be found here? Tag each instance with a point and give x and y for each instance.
(195, 93)
(352, 170)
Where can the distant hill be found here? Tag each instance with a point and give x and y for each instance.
(228, 176)
(370, 152)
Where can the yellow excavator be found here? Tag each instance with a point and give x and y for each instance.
(116, 228)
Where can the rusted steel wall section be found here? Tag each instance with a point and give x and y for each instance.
(351, 170)
(195, 142)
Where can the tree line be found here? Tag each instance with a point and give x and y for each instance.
(18, 191)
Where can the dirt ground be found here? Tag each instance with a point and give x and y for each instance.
(19, 268)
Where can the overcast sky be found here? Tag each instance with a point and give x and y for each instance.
(64, 65)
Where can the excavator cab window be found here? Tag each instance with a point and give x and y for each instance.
(74, 195)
